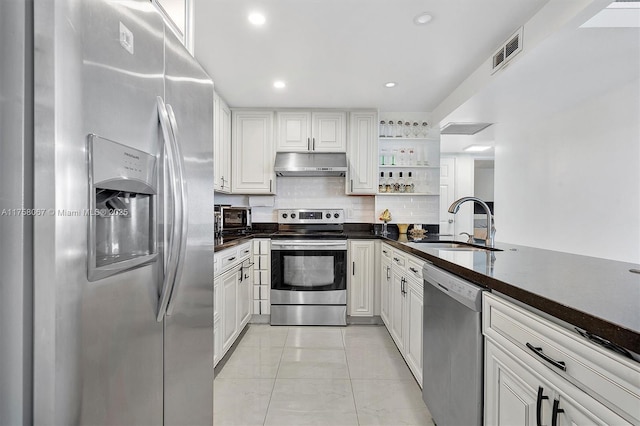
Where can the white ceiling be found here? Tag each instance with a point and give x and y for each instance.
(339, 53)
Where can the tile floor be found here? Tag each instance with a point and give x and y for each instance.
(317, 376)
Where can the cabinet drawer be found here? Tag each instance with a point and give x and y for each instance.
(229, 257)
(386, 251)
(614, 379)
(414, 267)
(398, 258)
(244, 251)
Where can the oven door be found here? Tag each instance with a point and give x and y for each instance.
(308, 272)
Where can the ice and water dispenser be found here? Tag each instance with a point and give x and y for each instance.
(122, 216)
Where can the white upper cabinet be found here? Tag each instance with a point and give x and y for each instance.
(253, 155)
(178, 15)
(304, 131)
(294, 132)
(221, 145)
(362, 150)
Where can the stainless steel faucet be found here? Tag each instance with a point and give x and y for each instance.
(491, 229)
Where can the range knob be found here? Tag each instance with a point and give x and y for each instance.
(328, 215)
(284, 215)
(293, 215)
(336, 215)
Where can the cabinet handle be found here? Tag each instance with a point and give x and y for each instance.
(556, 411)
(414, 270)
(309, 144)
(396, 259)
(270, 185)
(313, 144)
(354, 268)
(385, 252)
(538, 351)
(539, 405)
(388, 270)
(231, 258)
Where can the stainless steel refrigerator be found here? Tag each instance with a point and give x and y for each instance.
(106, 203)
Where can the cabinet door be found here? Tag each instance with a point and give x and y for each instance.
(361, 279)
(294, 132)
(253, 153)
(590, 412)
(218, 312)
(245, 295)
(225, 135)
(413, 327)
(396, 307)
(329, 131)
(385, 291)
(362, 149)
(221, 145)
(229, 282)
(510, 391)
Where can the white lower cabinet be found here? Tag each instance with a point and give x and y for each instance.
(385, 289)
(230, 311)
(261, 276)
(232, 297)
(413, 334)
(402, 304)
(361, 278)
(537, 372)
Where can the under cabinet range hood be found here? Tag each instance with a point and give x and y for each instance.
(300, 164)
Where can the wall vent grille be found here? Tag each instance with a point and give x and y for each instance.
(507, 51)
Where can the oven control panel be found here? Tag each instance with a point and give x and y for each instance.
(308, 216)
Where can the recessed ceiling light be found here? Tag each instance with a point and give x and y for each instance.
(257, 19)
(390, 84)
(279, 84)
(477, 148)
(422, 18)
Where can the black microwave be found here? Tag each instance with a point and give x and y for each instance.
(234, 220)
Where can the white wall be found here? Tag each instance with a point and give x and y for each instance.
(483, 183)
(571, 182)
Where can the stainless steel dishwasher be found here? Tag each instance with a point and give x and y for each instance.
(452, 349)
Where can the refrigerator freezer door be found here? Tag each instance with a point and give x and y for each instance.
(98, 349)
(189, 319)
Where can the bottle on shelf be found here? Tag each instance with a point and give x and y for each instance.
(382, 184)
(412, 157)
(402, 161)
(399, 129)
(409, 186)
(390, 186)
(400, 185)
(391, 128)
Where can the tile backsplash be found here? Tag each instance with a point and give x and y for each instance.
(329, 192)
(305, 192)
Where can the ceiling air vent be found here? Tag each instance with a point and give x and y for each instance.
(507, 51)
(463, 128)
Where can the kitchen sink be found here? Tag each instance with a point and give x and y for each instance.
(451, 245)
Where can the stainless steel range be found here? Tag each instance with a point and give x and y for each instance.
(308, 268)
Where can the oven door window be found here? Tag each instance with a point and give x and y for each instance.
(308, 270)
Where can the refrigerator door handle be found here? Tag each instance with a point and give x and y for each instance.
(171, 264)
(184, 228)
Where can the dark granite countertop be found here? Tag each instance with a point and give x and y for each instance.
(598, 295)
